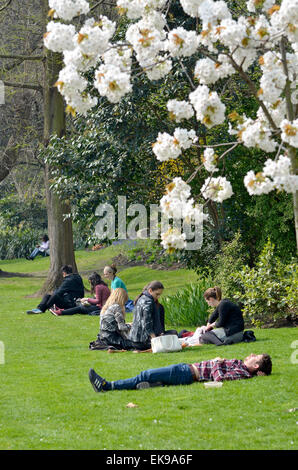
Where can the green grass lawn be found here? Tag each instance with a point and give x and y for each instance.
(47, 401)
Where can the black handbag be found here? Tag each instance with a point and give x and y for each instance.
(249, 336)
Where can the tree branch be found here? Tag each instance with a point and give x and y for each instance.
(253, 90)
(290, 110)
(21, 57)
(5, 6)
(29, 86)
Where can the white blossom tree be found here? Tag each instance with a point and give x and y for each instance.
(265, 33)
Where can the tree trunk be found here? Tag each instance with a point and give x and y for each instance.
(59, 220)
(294, 161)
(8, 159)
(212, 210)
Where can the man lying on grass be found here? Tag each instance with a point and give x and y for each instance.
(216, 370)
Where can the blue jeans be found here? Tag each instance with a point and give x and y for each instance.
(177, 374)
(36, 252)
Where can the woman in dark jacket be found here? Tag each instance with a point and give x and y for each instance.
(225, 325)
(146, 319)
(149, 316)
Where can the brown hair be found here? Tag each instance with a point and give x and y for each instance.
(112, 268)
(265, 365)
(95, 279)
(153, 285)
(118, 296)
(214, 292)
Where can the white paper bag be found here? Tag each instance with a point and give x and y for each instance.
(166, 343)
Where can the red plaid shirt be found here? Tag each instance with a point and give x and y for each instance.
(219, 370)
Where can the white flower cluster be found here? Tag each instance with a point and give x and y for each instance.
(209, 109)
(59, 37)
(254, 134)
(210, 160)
(191, 7)
(82, 62)
(212, 13)
(146, 36)
(276, 110)
(158, 68)
(177, 199)
(94, 36)
(182, 43)
(273, 80)
(275, 175)
(177, 203)
(134, 9)
(81, 51)
(167, 147)
(173, 240)
(180, 110)
(264, 5)
(111, 82)
(290, 132)
(67, 9)
(72, 86)
(119, 57)
(217, 189)
(285, 19)
(208, 71)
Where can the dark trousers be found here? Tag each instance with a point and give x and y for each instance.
(210, 338)
(176, 374)
(49, 300)
(85, 309)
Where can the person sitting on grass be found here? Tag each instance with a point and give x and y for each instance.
(114, 332)
(146, 319)
(89, 306)
(65, 296)
(109, 272)
(217, 370)
(225, 325)
(43, 249)
(159, 312)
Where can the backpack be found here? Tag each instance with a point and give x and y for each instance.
(249, 336)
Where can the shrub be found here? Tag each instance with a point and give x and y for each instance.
(227, 264)
(188, 306)
(268, 290)
(17, 243)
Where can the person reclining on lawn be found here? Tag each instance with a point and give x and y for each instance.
(216, 370)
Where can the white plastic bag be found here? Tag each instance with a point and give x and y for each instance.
(165, 343)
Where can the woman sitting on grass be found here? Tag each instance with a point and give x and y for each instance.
(90, 306)
(114, 332)
(225, 325)
(42, 249)
(158, 311)
(148, 318)
(109, 272)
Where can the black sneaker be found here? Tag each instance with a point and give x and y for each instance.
(96, 380)
(143, 385)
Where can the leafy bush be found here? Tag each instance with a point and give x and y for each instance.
(28, 213)
(268, 290)
(188, 306)
(17, 243)
(227, 264)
